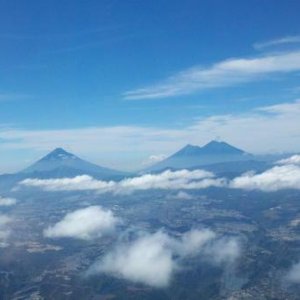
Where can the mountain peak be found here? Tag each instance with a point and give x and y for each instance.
(189, 150)
(61, 163)
(192, 156)
(221, 147)
(58, 154)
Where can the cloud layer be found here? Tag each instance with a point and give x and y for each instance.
(284, 176)
(293, 160)
(86, 223)
(78, 183)
(152, 259)
(183, 179)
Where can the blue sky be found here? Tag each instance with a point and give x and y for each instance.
(126, 82)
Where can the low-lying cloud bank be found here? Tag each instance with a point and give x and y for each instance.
(86, 223)
(293, 160)
(78, 183)
(6, 201)
(152, 259)
(284, 175)
(183, 179)
(274, 179)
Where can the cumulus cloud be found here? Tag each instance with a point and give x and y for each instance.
(293, 275)
(86, 223)
(168, 180)
(293, 160)
(4, 229)
(183, 179)
(224, 250)
(192, 241)
(146, 260)
(6, 201)
(274, 179)
(152, 259)
(78, 183)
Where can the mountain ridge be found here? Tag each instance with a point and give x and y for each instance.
(195, 156)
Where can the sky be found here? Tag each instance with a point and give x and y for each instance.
(126, 83)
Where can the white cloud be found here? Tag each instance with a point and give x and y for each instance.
(169, 180)
(277, 42)
(6, 201)
(268, 129)
(293, 160)
(225, 73)
(225, 250)
(274, 179)
(78, 183)
(182, 179)
(293, 275)
(4, 229)
(152, 259)
(146, 260)
(87, 223)
(194, 240)
(288, 108)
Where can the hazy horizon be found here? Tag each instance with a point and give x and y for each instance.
(118, 84)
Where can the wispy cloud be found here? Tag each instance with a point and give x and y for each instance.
(152, 259)
(294, 39)
(86, 223)
(223, 74)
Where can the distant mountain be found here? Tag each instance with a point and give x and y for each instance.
(231, 169)
(194, 156)
(60, 163)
